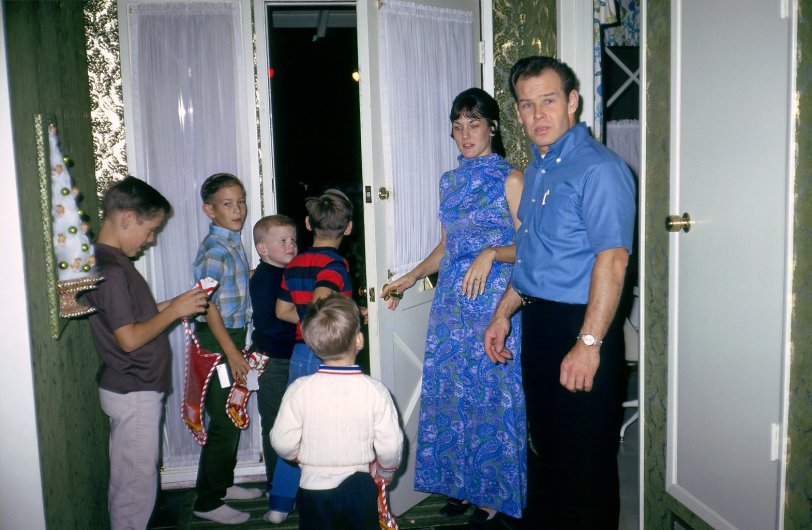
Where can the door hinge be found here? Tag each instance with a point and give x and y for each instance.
(481, 52)
(368, 194)
(775, 442)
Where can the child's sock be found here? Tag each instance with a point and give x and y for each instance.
(224, 515)
(238, 493)
(274, 517)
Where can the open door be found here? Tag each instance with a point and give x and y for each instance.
(397, 338)
(731, 155)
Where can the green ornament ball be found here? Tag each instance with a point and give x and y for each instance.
(86, 267)
(65, 192)
(72, 229)
(85, 247)
(63, 265)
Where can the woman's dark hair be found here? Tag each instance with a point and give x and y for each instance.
(476, 103)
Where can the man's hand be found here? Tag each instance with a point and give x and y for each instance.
(579, 367)
(495, 334)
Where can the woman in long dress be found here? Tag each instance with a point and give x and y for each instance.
(472, 434)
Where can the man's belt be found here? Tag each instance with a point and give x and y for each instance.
(528, 300)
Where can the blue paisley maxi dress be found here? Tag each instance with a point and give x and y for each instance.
(472, 434)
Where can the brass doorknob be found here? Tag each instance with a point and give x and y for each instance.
(675, 223)
(362, 291)
(383, 193)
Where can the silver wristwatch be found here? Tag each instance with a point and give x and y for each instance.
(589, 340)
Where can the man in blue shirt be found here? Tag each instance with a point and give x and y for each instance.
(572, 248)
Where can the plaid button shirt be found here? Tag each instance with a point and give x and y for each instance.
(221, 256)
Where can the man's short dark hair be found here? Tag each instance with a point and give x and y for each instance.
(331, 325)
(215, 183)
(535, 65)
(132, 194)
(330, 213)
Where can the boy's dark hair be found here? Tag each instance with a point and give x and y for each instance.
(330, 214)
(262, 226)
(331, 325)
(215, 183)
(132, 194)
(536, 65)
(476, 103)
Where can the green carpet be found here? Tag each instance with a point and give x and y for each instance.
(174, 510)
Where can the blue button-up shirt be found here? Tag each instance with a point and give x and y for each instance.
(578, 200)
(221, 256)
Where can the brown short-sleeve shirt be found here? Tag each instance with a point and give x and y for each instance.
(125, 298)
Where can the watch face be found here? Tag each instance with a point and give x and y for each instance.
(589, 340)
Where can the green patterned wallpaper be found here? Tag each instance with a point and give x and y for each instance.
(48, 75)
(520, 28)
(799, 477)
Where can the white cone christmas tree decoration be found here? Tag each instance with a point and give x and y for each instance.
(72, 247)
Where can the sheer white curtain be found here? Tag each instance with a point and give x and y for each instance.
(418, 86)
(188, 90)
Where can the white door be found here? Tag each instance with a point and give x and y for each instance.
(397, 339)
(730, 171)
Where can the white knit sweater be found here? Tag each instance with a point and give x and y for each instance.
(335, 423)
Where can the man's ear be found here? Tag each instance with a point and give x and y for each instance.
(518, 116)
(572, 103)
(208, 210)
(348, 231)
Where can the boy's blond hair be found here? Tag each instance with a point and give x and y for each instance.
(330, 214)
(331, 325)
(262, 226)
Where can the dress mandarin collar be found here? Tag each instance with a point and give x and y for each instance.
(468, 163)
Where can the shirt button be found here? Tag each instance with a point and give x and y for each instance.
(532, 200)
(543, 171)
(525, 230)
(518, 261)
(557, 160)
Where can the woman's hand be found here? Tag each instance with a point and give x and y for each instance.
(400, 285)
(473, 284)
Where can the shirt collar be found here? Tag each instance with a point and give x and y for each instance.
(564, 145)
(231, 235)
(340, 370)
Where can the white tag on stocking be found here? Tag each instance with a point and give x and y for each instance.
(223, 375)
(252, 380)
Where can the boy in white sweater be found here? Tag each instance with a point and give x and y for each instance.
(340, 425)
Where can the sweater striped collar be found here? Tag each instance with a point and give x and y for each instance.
(340, 370)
